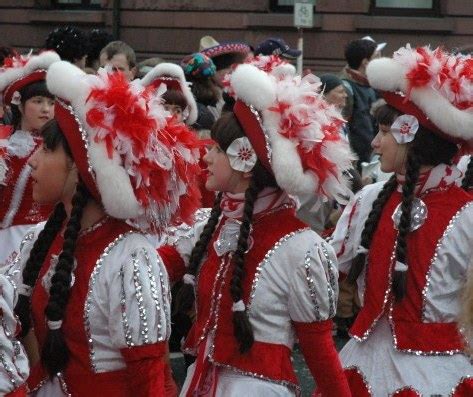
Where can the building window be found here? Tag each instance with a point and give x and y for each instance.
(406, 7)
(77, 3)
(285, 5)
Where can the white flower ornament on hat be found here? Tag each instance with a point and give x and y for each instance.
(241, 155)
(404, 128)
(16, 99)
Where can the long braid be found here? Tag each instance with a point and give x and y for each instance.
(408, 194)
(55, 353)
(35, 262)
(185, 298)
(371, 223)
(241, 323)
(467, 182)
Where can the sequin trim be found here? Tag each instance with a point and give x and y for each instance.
(462, 379)
(95, 226)
(17, 196)
(439, 245)
(8, 370)
(267, 140)
(311, 285)
(362, 376)
(331, 287)
(139, 298)
(125, 324)
(166, 294)
(266, 260)
(88, 300)
(11, 272)
(83, 133)
(406, 388)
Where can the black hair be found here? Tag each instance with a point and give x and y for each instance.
(55, 353)
(69, 42)
(426, 149)
(175, 97)
(98, 39)
(386, 114)
(225, 130)
(38, 88)
(357, 50)
(6, 52)
(467, 182)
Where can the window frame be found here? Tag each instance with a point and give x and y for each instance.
(434, 11)
(84, 5)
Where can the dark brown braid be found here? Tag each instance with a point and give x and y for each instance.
(185, 298)
(467, 182)
(55, 353)
(35, 262)
(371, 224)
(408, 195)
(241, 324)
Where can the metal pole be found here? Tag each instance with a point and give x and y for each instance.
(300, 47)
(116, 19)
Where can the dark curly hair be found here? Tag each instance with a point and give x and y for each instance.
(98, 39)
(55, 353)
(224, 132)
(427, 149)
(69, 42)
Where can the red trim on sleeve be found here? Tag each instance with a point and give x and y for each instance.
(173, 262)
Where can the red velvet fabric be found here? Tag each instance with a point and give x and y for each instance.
(465, 388)
(406, 392)
(410, 332)
(357, 384)
(20, 392)
(318, 348)
(145, 369)
(173, 262)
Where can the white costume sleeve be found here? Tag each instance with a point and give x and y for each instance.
(13, 362)
(138, 294)
(313, 290)
(184, 237)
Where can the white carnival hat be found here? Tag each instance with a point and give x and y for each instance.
(137, 162)
(433, 85)
(173, 77)
(293, 130)
(20, 70)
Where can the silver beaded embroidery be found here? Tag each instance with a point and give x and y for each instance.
(139, 298)
(331, 287)
(125, 324)
(88, 300)
(266, 260)
(7, 369)
(265, 133)
(17, 196)
(12, 271)
(419, 213)
(166, 294)
(83, 133)
(406, 388)
(439, 245)
(312, 290)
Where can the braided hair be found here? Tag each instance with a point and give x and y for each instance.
(467, 182)
(224, 132)
(55, 353)
(427, 149)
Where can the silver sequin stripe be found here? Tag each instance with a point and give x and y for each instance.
(311, 285)
(83, 133)
(139, 298)
(15, 343)
(331, 287)
(7, 369)
(125, 324)
(11, 272)
(439, 245)
(462, 379)
(88, 301)
(406, 389)
(385, 300)
(17, 196)
(267, 258)
(267, 140)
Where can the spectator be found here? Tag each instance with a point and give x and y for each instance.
(98, 39)
(70, 43)
(361, 124)
(119, 56)
(277, 46)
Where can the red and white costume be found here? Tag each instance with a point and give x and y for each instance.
(14, 366)
(18, 212)
(416, 340)
(118, 317)
(290, 291)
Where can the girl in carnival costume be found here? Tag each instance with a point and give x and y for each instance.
(407, 242)
(261, 277)
(23, 90)
(91, 283)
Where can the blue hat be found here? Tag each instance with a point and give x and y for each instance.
(276, 46)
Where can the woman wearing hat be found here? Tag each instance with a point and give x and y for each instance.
(261, 277)
(407, 242)
(23, 90)
(89, 280)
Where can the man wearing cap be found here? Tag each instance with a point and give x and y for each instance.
(277, 46)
